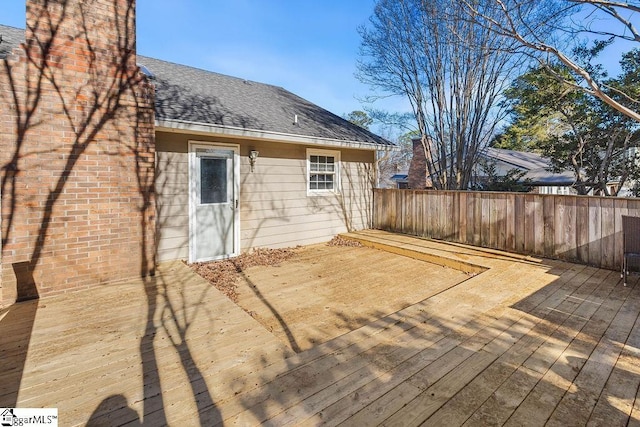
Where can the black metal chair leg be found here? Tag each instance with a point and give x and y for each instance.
(630, 242)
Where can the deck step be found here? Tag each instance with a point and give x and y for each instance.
(416, 252)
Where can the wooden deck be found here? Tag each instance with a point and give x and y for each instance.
(525, 342)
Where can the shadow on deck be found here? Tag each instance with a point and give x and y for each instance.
(524, 341)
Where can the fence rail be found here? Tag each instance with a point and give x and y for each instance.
(581, 229)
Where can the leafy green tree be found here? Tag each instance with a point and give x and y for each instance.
(541, 107)
(571, 127)
(547, 29)
(360, 118)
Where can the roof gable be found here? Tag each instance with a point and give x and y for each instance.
(190, 94)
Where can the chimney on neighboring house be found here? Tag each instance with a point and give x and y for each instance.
(76, 151)
(417, 178)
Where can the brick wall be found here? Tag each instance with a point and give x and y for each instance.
(77, 151)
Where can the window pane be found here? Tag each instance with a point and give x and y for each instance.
(213, 180)
(322, 170)
(322, 163)
(321, 182)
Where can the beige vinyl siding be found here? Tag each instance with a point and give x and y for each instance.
(275, 210)
(172, 200)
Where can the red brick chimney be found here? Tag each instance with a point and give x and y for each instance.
(76, 151)
(418, 167)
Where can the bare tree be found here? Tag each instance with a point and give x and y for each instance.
(396, 127)
(514, 23)
(451, 71)
(395, 161)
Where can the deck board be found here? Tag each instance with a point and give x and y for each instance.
(562, 355)
(522, 341)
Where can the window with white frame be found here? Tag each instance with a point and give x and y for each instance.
(554, 190)
(323, 171)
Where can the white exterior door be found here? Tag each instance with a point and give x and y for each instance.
(213, 210)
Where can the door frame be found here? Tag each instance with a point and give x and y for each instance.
(193, 145)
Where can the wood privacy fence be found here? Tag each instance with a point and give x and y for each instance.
(582, 229)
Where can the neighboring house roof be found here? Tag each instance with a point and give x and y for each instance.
(195, 100)
(520, 159)
(400, 177)
(193, 96)
(11, 38)
(536, 166)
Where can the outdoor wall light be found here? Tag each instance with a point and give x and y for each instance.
(253, 155)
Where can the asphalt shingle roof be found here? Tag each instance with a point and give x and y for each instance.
(536, 166)
(11, 38)
(195, 95)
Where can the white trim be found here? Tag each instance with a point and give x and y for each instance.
(193, 145)
(337, 174)
(183, 126)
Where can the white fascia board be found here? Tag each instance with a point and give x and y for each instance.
(180, 126)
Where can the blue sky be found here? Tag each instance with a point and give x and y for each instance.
(309, 47)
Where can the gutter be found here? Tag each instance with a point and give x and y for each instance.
(183, 126)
